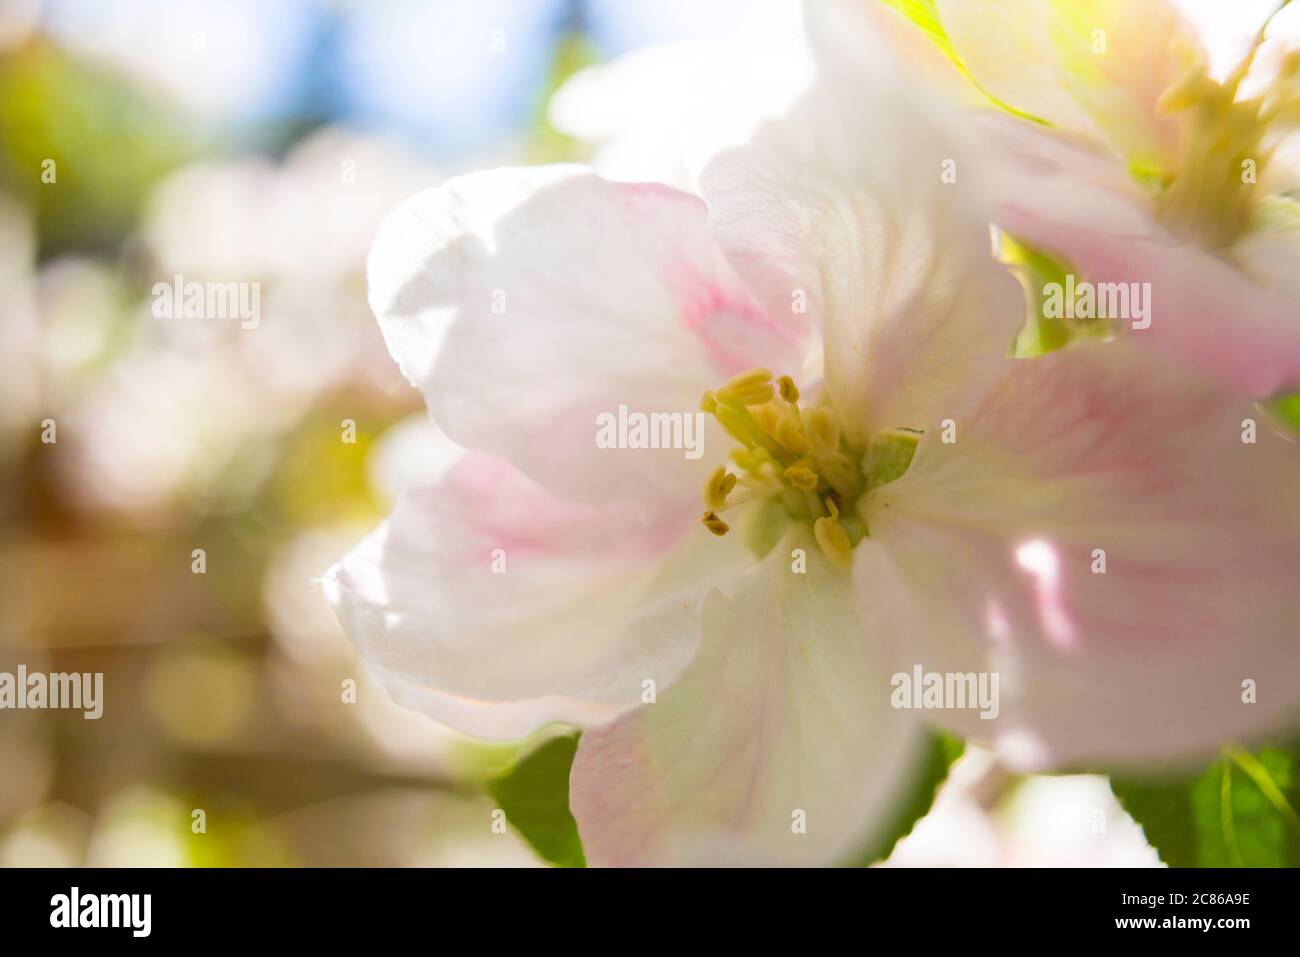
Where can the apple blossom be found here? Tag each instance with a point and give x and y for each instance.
(1150, 160)
(881, 487)
(660, 111)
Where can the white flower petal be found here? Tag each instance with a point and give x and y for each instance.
(985, 552)
(491, 720)
(785, 710)
(840, 24)
(826, 210)
(526, 302)
(485, 587)
(660, 111)
(1089, 66)
(1228, 30)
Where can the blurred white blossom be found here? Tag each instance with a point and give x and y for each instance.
(661, 111)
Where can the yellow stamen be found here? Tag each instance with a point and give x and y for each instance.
(767, 417)
(790, 434)
(801, 476)
(833, 541)
(822, 427)
(749, 459)
(795, 463)
(741, 425)
(1210, 195)
(714, 524)
(721, 482)
(753, 387)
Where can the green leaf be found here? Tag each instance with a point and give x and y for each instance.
(110, 141)
(535, 796)
(1287, 410)
(940, 753)
(1238, 812)
(546, 144)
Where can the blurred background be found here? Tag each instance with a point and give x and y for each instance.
(262, 142)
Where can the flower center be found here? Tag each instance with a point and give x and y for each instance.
(1211, 196)
(796, 464)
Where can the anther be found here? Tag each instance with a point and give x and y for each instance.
(721, 482)
(714, 524)
(791, 436)
(801, 476)
(753, 387)
(823, 429)
(834, 542)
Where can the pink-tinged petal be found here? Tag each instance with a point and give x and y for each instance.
(490, 604)
(525, 303)
(1207, 312)
(1063, 178)
(786, 709)
(1101, 537)
(887, 248)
